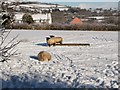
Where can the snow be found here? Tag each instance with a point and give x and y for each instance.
(42, 6)
(94, 66)
(19, 16)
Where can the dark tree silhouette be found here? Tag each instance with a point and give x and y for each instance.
(27, 18)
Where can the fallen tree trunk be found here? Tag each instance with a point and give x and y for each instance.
(73, 44)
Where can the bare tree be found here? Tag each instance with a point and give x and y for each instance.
(4, 6)
(7, 49)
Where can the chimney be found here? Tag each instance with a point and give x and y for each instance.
(73, 17)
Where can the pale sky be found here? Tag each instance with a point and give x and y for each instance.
(76, 0)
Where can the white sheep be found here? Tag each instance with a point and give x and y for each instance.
(44, 56)
(54, 40)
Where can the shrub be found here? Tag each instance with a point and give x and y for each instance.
(56, 26)
(27, 18)
(21, 26)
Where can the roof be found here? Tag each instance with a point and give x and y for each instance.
(76, 21)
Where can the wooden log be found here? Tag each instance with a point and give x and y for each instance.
(73, 44)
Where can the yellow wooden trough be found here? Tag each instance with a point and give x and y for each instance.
(73, 44)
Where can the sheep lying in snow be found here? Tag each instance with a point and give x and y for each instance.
(53, 40)
(44, 56)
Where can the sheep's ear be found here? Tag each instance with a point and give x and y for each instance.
(52, 36)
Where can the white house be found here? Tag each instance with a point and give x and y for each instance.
(97, 18)
(38, 18)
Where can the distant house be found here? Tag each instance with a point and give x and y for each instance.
(97, 18)
(42, 18)
(38, 18)
(76, 21)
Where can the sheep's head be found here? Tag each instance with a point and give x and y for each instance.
(47, 38)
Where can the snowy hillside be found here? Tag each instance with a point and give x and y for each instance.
(71, 66)
(11, 0)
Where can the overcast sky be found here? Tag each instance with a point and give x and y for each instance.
(75, 0)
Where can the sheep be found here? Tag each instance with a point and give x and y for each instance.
(54, 40)
(59, 39)
(44, 56)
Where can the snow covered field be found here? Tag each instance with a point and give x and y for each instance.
(93, 66)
